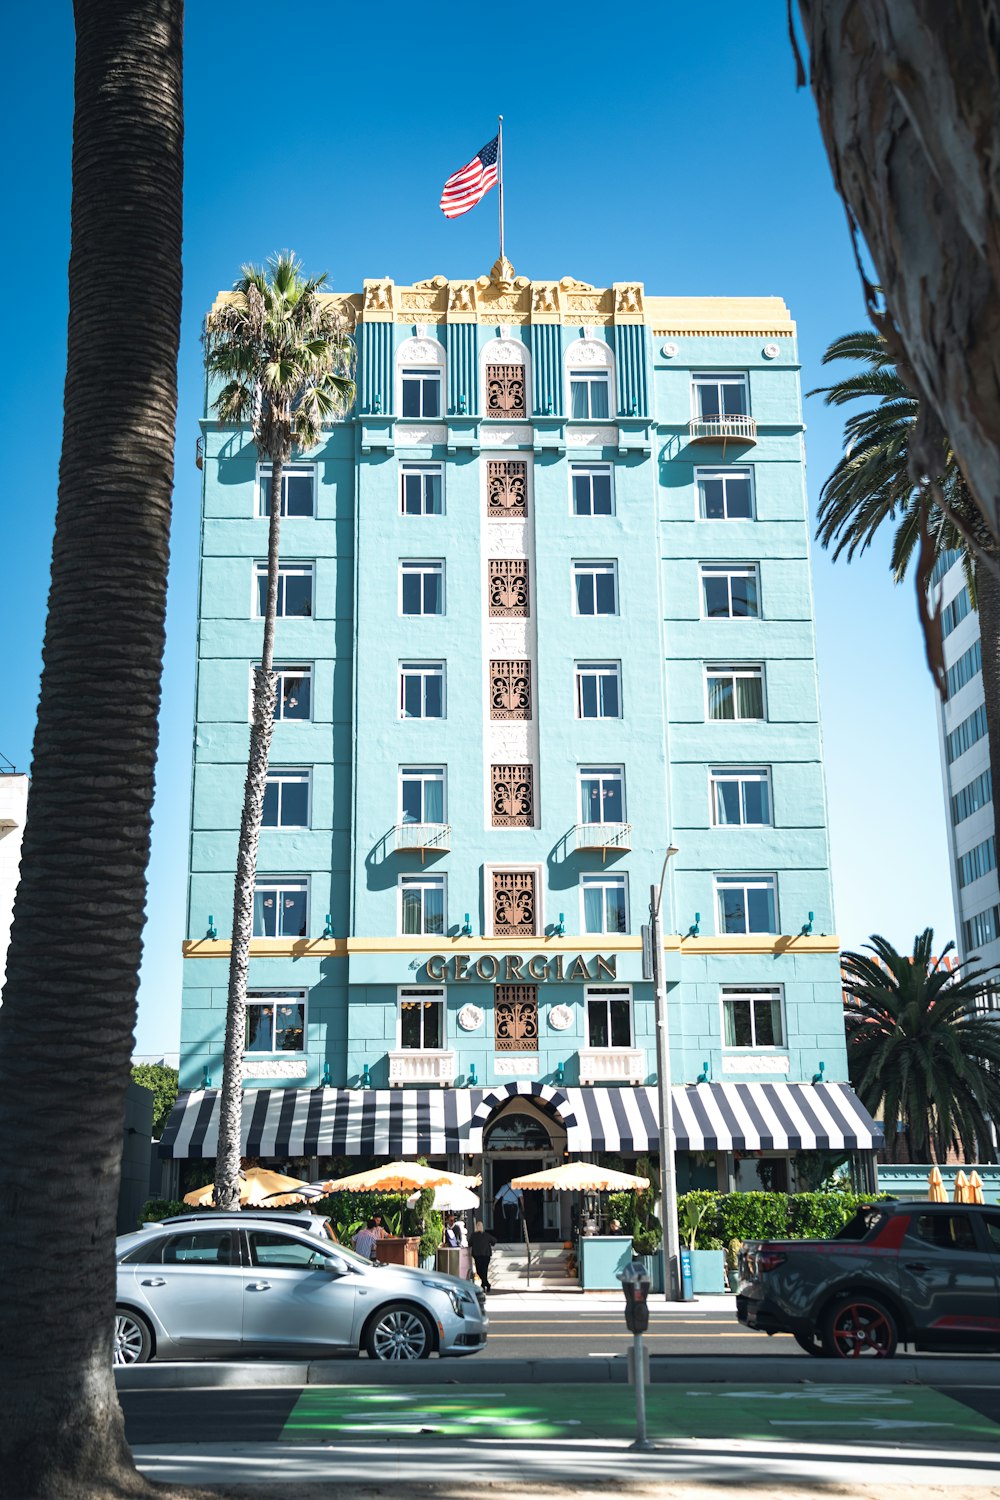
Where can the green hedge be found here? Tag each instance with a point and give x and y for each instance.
(767, 1216)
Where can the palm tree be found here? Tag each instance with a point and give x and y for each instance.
(921, 1048)
(285, 359)
(66, 1025)
(872, 486)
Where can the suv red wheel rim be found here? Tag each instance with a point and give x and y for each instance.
(862, 1329)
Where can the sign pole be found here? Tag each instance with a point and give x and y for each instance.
(500, 177)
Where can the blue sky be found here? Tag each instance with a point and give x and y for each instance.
(667, 145)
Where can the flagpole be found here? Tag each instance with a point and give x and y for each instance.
(500, 177)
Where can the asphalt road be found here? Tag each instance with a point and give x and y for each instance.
(519, 1333)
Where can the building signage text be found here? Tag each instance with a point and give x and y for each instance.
(511, 968)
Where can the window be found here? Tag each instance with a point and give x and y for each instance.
(295, 590)
(421, 794)
(598, 689)
(605, 903)
(294, 696)
(609, 1016)
(945, 561)
(505, 391)
(740, 797)
(421, 1018)
(725, 494)
(973, 796)
(512, 796)
(595, 588)
(421, 690)
(297, 490)
(515, 1017)
(747, 903)
(955, 612)
(966, 734)
(421, 904)
(507, 488)
(589, 395)
(969, 664)
(752, 1018)
(286, 799)
(420, 490)
(979, 861)
(602, 794)
(276, 1022)
(590, 488)
(278, 1252)
(421, 588)
(735, 692)
(720, 395)
(730, 592)
(982, 929)
(514, 903)
(422, 393)
(280, 907)
(947, 1231)
(510, 688)
(507, 587)
(213, 1247)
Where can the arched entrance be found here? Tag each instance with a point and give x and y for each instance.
(522, 1136)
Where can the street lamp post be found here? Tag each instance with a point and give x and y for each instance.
(668, 1177)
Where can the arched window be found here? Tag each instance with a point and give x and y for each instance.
(505, 380)
(517, 1132)
(420, 392)
(590, 378)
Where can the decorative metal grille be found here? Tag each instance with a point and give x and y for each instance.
(508, 586)
(515, 1017)
(514, 903)
(506, 487)
(510, 689)
(513, 805)
(505, 391)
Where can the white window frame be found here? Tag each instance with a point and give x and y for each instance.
(297, 775)
(601, 881)
(431, 993)
(743, 775)
(427, 567)
(738, 470)
(588, 471)
(423, 670)
(753, 992)
(289, 568)
(734, 670)
(279, 883)
(605, 772)
(264, 472)
(422, 882)
(607, 992)
(598, 669)
(729, 571)
(595, 566)
(753, 880)
(499, 867)
(700, 378)
(275, 998)
(423, 470)
(423, 773)
(591, 376)
(426, 374)
(293, 669)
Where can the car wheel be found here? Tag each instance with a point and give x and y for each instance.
(812, 1343)
(133, 1339)
(856, 1326)
(399, 1333)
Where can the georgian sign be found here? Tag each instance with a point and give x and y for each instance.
(511, 968)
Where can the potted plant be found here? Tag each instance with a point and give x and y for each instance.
(708, 1264)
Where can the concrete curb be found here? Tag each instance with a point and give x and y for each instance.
(664, 1369)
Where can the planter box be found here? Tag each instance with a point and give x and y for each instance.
(601, 1257)
(708, 1271)
(398, 1250)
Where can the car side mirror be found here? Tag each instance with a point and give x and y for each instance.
(335, 1267)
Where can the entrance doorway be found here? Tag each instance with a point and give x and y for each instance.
(505, 1226)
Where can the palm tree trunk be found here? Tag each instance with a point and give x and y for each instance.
(72, 971)
(227, 1162)
(988, 606)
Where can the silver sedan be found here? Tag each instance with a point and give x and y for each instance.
(204, 1289)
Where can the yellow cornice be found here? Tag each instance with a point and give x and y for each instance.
(672, 943)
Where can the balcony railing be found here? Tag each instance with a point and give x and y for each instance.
(612, 1065)
(738, 429)
(417, 1065)
(423, 837)
(604, 836)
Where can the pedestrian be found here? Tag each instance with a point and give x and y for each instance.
(481, 1244)
(510, 1202)
(454, 1233)
(366, 1238)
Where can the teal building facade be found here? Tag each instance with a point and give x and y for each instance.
(546, 613)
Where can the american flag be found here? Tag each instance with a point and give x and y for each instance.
(465, 187)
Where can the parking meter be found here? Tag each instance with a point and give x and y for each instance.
(635, 1284)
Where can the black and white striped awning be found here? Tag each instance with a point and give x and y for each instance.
(436, 1122)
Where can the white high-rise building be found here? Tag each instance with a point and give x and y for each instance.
(13, 807)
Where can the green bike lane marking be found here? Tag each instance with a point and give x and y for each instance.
(913, 1416)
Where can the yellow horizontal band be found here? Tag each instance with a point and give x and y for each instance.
(765, 943)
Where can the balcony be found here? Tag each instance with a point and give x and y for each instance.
(416, 1065)
(425, 838)
(604, 836)
(729, 429)
(612, 1065)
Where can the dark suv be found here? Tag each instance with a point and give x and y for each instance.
(922, 1274)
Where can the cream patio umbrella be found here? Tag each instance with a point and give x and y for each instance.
(961, 1187)
(936, 1192)
(394, 1177)
(256, 1185)
(974, 1191)
(581, 1177)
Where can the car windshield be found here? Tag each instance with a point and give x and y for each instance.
(863, 1222)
